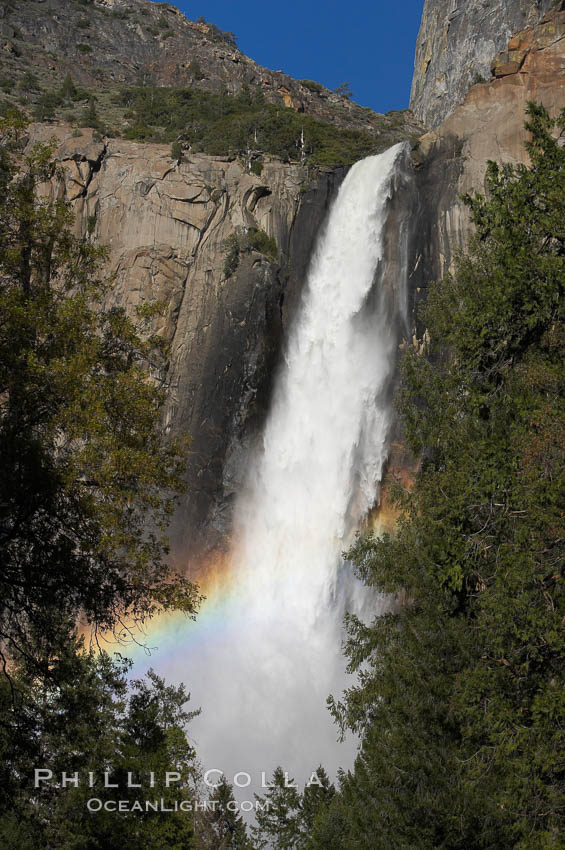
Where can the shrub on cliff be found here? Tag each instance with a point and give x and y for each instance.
(312, 86)
(214, 33)
(251, 240)
(46, 106)
(260, 241)
(68, 90)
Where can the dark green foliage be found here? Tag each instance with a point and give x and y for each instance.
(195, 70)
(250, 240)
(316, 800)
(331, 826)
(221, 827)
(257, 166)
(278, 825)
(83, 23)
(176, 150)
(287, 819)
(259, 241)
(46, 106)
(461, 692)
(84, 48)
(245, 96)
(29, 82)
(222, 124)
(85, 472)
(89, 117)
(83, 717)
(231, 249)
(120, 14)
(85, 496)
(397, 118)
(9, 111)
(68, 89)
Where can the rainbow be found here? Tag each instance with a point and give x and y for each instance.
(216, 577)
(168, 631)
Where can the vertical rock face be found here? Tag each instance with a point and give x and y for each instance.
(166, 224)
(457, 42)
(489, 125)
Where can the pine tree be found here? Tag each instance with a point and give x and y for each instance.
(86, 492)
(86, 474)
(222, 827)
(317, 796)
(84, 717)
(68, 88)
(278, 818)
(90, 116)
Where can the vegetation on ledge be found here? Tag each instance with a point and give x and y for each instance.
(189, 118)
(250, 240)
(224, 124)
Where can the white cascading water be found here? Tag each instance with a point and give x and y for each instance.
(263, 677)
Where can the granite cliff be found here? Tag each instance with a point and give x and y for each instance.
(166, 224)
(457, 41)
(488, 125)
(169, 221)
(169, 218)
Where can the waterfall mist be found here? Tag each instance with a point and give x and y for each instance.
(263, 666)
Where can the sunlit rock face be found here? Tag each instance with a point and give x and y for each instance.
(489, 125)
(457, 42)
(166, 224)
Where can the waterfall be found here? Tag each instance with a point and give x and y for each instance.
(263, 675)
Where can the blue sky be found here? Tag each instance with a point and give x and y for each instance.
(368, 44)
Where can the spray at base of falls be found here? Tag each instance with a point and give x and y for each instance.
(262, 660)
